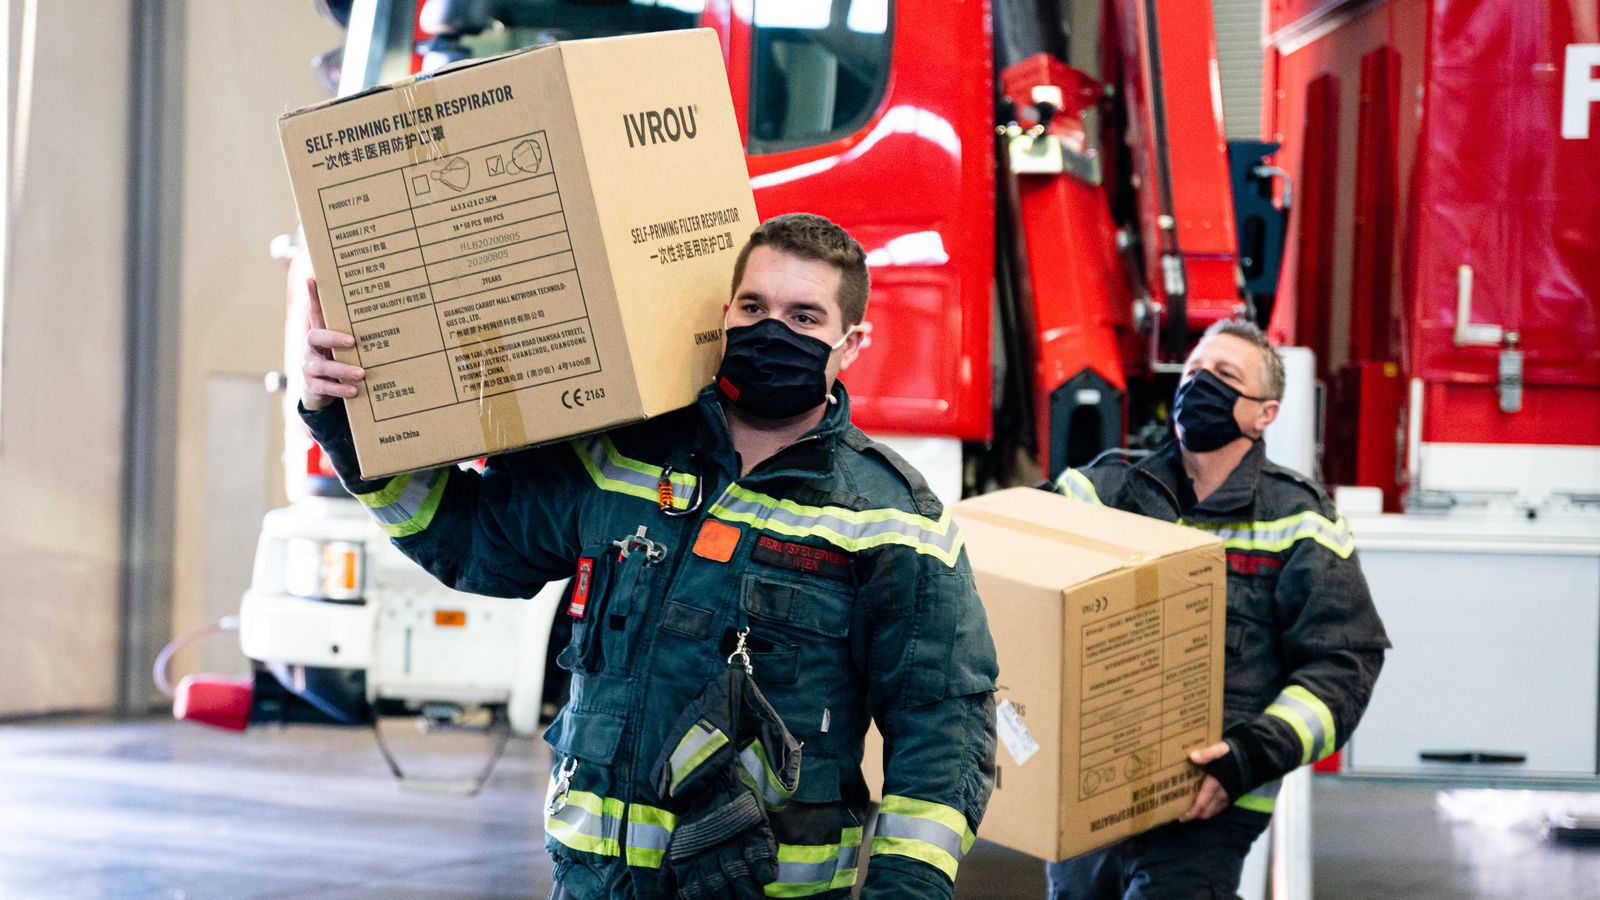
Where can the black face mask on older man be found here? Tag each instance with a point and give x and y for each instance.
(1203, 409)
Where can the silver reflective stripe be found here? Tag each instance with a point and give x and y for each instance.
(696, 746)
(410, 500)
(1281, 534)
(848, 854)
(644, 834)
(1268, 790)
(807, 873)
(601, 827)
(1308, 716)
(853, 532)
(891, 825)
(1078, 486)
(1262, 799)
(600, 457)
(761, 779)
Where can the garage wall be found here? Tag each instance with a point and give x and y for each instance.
(246, 63)
(235, 66)
(61, 359)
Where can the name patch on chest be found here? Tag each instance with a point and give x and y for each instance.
(804, 558)
(1241, 562)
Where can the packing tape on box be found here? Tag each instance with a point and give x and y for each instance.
(1146, 579)
(500, 422)
(432, 143)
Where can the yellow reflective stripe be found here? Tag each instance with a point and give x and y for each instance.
(1288, 715)
(849, 529)
(423, 517)
(680, 479)
(1323, 714)
(651, 815)
(644, 476)
(587, 823)
(807, 869)
(948, 816)
(756, 770)
(649, 832)
(386, 494)
(931, 854)
(697, 745)
(1257, 803)
(645, 857)
(1077, 485)
(1281, 534)
(920, 829)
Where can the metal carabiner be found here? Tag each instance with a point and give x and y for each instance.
(741, 653)
(560, 787)
(696, 500)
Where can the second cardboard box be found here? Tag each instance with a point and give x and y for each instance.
(1109, 629)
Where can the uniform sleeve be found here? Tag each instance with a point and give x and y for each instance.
(492, 533)
(1334, 644)
(931, 672)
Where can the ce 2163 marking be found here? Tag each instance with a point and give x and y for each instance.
(577, 398)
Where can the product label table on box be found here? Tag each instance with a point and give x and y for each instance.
(1145, 696)
(459, 266)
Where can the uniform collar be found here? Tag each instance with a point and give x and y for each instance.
(811, 455)
(1237, 491)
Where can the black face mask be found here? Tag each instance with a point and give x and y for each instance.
(771, 371)
(1203, 409)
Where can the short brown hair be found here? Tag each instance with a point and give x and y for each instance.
(1272, 377)
(813, 237)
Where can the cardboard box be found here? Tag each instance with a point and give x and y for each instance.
(1109, 631)
(528, 247)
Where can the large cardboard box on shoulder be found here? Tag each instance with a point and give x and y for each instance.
(528, 247)
(1110, 635)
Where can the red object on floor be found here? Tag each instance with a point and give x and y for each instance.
(1330, 765)
(221, 701)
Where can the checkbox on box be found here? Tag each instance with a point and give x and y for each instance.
(420, 185)
(497, 166)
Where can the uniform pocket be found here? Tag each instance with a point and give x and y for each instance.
(585, 601)
(583, 817)
(813, 609)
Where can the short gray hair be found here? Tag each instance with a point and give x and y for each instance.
(1271, 363)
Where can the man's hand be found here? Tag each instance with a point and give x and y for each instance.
(1212, 799)
(325, 377)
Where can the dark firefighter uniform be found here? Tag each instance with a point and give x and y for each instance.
(847, 572)
(1304, 641)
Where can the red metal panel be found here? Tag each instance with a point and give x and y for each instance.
(915, 185)
(1470, 413)
(1374, 333)
(1198, 155)
(1318, 179)
(1181, 161)
(1502, 191)
(1483, 178)
(1073, 281)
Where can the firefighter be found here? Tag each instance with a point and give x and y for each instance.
(1304, 642)
(753, 577)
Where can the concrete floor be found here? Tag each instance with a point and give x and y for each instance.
(162, 810)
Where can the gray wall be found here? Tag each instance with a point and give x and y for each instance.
(238, 64)
(61, 352)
